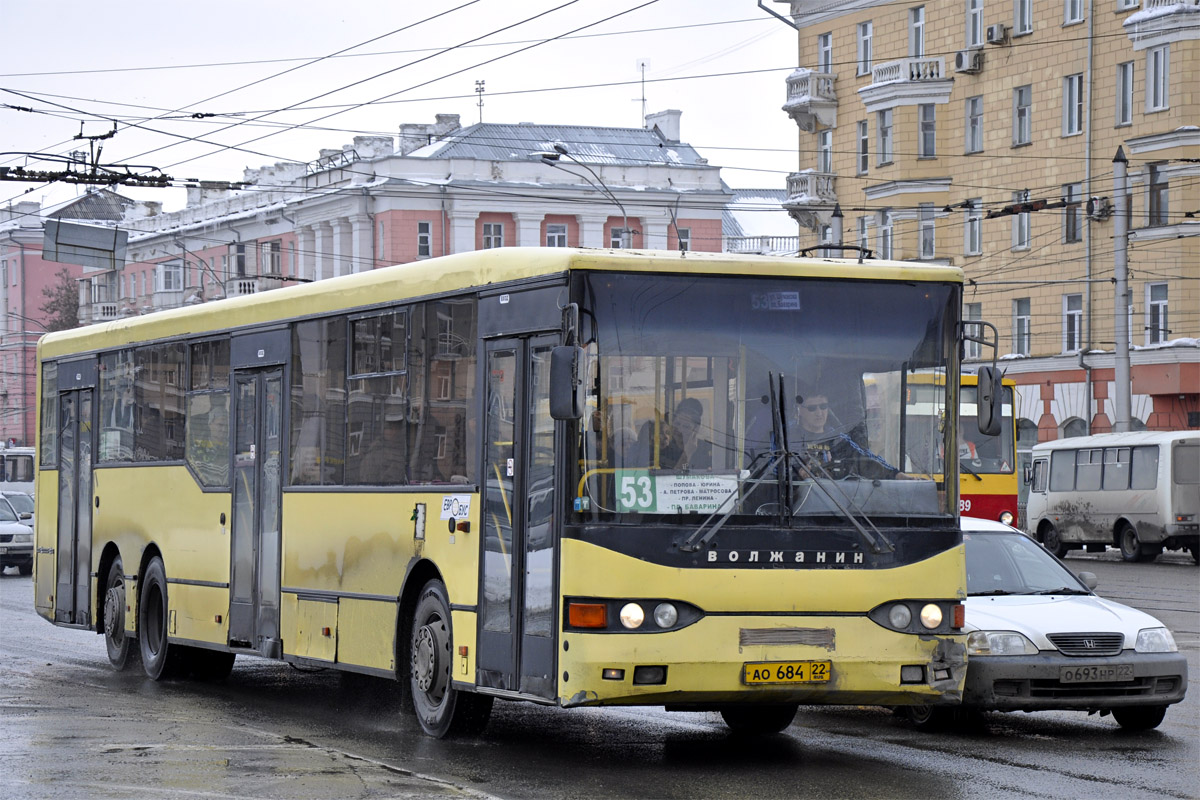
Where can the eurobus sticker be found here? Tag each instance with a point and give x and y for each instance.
(456, 506)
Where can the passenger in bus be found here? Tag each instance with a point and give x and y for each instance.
(684, 448)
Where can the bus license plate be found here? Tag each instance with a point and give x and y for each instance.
(1106, 673)
(764, 672)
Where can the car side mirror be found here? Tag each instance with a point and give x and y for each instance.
(26, 515)
(566, 382)
(1089, 580)
(989, 399)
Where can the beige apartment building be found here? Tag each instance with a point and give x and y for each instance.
(982, 133)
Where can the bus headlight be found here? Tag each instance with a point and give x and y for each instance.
(1006, 517)
(931, 615)
(632, 616)
(899, 616)
(665, 615)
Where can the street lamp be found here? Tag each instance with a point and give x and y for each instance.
(552, 158)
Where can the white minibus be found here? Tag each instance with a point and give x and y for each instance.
(1136, 491)
(16, 469)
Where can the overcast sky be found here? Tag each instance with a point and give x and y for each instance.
(286, 79)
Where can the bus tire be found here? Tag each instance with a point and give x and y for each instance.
(1052, 540)
(123, 650)
(441, 710)
(160, 659)
(1139, 718)
(1131, 546)
(758, 720)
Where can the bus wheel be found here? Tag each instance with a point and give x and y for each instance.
(1195, 554)
(441, 709)
(1053, 541)
(758, 720)
(160, 659)
(1131, 548)
(1139, 718)
(122, 649)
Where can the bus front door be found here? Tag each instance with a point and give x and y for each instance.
(254, 549)
(516, 619)
(74, 557)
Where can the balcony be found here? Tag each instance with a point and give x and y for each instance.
(762, 245)
(1162, 22)
(811, 197)
(908, 81)
(811, 99)
(239, 287)
(91, 313)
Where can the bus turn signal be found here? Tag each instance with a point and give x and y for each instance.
(587, 615)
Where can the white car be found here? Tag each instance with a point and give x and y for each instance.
(1040, 639)
(16, 540)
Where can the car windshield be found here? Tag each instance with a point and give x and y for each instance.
(23, 503)
(761, 396)
(7, 514)
(1012, 563)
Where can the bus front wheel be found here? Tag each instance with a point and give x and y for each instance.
(122, 650)
(1053, 541)
(1131, 547)
(441, 710)
(758, 720)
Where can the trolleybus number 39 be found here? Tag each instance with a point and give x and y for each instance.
(785, 672)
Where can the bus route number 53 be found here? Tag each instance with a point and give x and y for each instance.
(635, 491)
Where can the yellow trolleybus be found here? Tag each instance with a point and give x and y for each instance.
(560, 476)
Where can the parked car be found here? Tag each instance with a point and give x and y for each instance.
(22, 503)
(16, 540)
(1039, 639)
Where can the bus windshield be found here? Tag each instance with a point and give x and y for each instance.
(686, 373)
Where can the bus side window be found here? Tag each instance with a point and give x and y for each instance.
(1145, 468)
(1039, 475)
(1062, 471)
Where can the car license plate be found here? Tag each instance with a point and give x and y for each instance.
(1104, 673)
(765, 672)
(3, 549)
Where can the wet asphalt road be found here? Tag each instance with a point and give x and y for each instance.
(72, 727)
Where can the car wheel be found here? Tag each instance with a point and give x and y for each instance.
(1139, 718)
(122, 649)
(758, 720)
(1053, 541)
(1196, 555)
(441, 710)
(160, 659)
(1131, 548)
(26, 568)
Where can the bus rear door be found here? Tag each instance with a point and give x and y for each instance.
(76, 385)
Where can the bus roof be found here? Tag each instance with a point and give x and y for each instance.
(1129, 439)
(462, 271)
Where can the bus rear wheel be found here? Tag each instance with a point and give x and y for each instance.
(160, 659)
(1053, 541)
(758, 720)
(441, 709)
(122, 650)
(1131, 547)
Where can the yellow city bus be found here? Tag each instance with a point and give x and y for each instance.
(432, 473)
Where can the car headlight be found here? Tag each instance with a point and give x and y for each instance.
(1155, 640)
(999, 643)
(23, 538)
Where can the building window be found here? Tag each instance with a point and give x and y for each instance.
(973, 228)
(825, 53)
(425, 239)
(864, 240)
(1158, 62)
(617, 237)
(974, 23)
(1156, 313)
(928, 248)
(168, 277)
(865, 32)
(1159, 201)
(1072, 11)
(1022, 17)
(884, 123)
(974, 127)
(927, 142)
(972, 311)
(1073, 213)
(382, 242)
(1126, 5)
(556, 235)
(916, 32)
(864, 148)
(493, 235)
(272, 257)
(825, 151)
(1021, 320)
(1020, 225)
(826, 236)
(684, 235)
(885, 233)
(239, 260)
(1072, 122)
(1072, 322)
(1022, 107)
(1125, 93)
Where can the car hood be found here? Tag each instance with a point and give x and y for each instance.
(13, 528)
(1035, 616)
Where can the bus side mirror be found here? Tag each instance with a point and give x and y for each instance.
(566, 382)
(1027, 474)
(989, 401)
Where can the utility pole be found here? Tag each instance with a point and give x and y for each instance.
(1124, 404)
(479, 90)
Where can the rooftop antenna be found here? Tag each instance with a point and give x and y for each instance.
(643, 64)
(479, 90)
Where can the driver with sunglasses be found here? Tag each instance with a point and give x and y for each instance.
(834, 451)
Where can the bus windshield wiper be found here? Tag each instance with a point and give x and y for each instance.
(963, 465)
(717, 519)
(874, 537)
